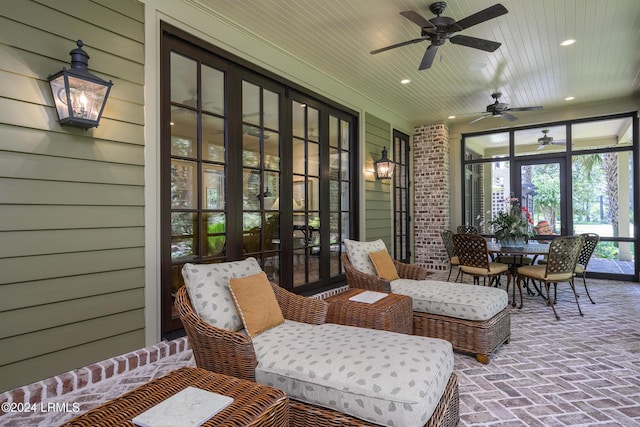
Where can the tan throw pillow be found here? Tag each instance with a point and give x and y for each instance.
(256, 303)
(384, 266)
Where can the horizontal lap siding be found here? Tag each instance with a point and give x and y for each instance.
(71, 201)
(378, 223)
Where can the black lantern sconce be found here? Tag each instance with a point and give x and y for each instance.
(80, 96)
(384, 167)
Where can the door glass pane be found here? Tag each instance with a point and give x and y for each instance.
(213, 179)
(251, 146)
(299, 156)
(271, 110)
(313, 159)
(184, 132)
(183, 233)
(540, 140)
(184, 80)
(212, 138)
(313, 120)
(345, 134)
(541, 196)
(184, 190)
(251, 189)
(212, 90)
(298, 124)
(214, 234)
(271, 150)
(250, 103)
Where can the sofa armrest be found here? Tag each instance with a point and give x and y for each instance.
(216, 349)
(300, 309)
(360, 280)
(410, 271)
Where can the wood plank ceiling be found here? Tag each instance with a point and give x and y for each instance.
(530, 68)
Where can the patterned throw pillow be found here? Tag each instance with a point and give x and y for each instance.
(358, 253)
(208, 286)
(384, 265)
(256, 303)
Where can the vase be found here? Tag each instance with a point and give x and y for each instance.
(512, 242)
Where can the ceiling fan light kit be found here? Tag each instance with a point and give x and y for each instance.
(441, 28)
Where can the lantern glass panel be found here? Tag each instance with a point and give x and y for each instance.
(60, 96)
(86, 98)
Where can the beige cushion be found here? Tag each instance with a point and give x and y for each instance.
(580, 268)
(208, 286)
(537, 272)
(384, 265)
(494, 268)
(455, 260)
(358, 253)
(256, 303)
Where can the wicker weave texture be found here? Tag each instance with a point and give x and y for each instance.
(392, 313)
(253, 404)
(446, 413)
(563, 254)
(471, 336)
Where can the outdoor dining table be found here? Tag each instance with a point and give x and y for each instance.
(495, 249)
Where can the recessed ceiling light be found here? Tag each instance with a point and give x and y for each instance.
(451, 117)
(569, 98)
(476, 66)
(405, 81)
(568, 42)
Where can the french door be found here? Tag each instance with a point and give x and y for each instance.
(247, 162)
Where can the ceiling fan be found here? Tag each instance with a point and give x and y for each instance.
(439, 29)
(501, 109)
(546, 140)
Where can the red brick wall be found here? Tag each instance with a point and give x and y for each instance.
(432, 194)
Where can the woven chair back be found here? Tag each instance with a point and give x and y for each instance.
(563, 254)
(447, 239)
(471, 250)
(467, 229)
(588, 247)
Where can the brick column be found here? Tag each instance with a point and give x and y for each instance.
(431, 187)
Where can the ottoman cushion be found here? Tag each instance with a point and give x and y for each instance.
(457, 300)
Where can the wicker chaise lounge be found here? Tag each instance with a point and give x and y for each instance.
(479, 337)
(234, 353)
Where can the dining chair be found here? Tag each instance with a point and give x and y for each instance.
(467, 229)
(447, 239)
(590, 242)
(473, 256)
(560, 267)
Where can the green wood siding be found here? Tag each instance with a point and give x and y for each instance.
(378, 214)
(71, 201)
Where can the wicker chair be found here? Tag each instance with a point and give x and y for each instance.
(232, 353)
(447, 239)
(480, 338)
(560, 267)
(467, 229)
(474, 259)
(590, 242)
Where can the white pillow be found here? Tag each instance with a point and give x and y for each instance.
(358, 253)
(208, 286)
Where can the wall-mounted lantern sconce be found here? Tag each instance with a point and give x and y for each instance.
(384, 167)
(80, 96)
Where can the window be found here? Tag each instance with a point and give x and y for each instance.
(577, 176)
(401, 205)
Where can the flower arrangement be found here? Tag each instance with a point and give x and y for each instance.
(512, 227)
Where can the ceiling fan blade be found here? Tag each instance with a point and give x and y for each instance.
(509, 117)
(417, 19)
(476, 43)
(526, 108)
(478, 119)
(428, 57)
(393, 46)
(479, 17)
